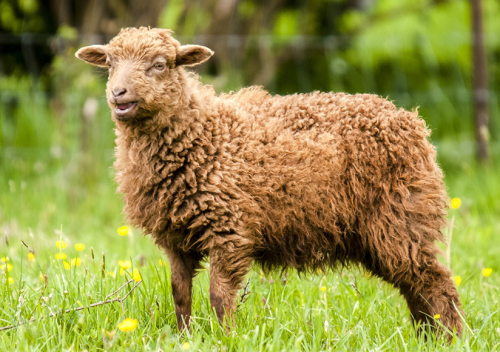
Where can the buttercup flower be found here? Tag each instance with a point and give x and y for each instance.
(487, 271)
(162, 262)
(31, 257)
(76, 261)
(61, 244)
(41, 277)
(185, 346)
(125, 264)
(6, 266)
(112, 273)
(458, 280)
(136, 275)
(437, 316)
(5, 259)
(128, 325)
(455, 203)
(11, 280)
(61, 256)
(323, 289)
(66, 265)
(79, 247)
(123, 231)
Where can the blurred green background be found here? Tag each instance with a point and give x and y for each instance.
(56, 136)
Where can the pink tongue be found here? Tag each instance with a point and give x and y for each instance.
(124, 106)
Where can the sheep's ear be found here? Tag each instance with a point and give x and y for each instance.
(94, 55)
(191, 55)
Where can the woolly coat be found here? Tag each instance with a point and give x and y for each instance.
(304, 181)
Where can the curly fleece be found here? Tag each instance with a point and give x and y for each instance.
(303, 181)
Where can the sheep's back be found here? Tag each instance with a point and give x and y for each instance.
(323, 136)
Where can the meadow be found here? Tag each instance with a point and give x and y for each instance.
(57, 195)
(48, 202)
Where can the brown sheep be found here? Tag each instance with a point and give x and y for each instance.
(303, 181)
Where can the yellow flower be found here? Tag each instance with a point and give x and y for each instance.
(66, 265)
(11, 280)
(31, 257)
(111, 273)
(323, 289)
(41, 277)
(458, 279)
(162, 262)
(5, 259)
(60, 256)
(128, 325)
(185, 346)
(76, 261)
(487, 271)
(125, 264)
(136, 275)
(123, 231)
(79, 247)
(61, 244)
(437, 316)
(8, 266)
(455, 203)
(122, 271)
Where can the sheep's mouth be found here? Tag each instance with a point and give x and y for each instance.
(125, 111)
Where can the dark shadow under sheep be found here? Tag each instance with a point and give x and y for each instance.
(304, 181)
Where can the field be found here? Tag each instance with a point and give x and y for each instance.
(67, 193)
(45, 198)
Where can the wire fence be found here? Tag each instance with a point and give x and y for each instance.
(282, 64)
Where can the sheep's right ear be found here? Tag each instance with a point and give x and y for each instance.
(94, 55)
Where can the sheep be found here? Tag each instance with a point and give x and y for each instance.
(304, 181)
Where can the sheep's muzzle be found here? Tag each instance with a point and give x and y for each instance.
(125, 110)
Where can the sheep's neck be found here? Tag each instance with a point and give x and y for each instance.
(163, 167)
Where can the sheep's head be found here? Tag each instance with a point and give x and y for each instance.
(144, 70)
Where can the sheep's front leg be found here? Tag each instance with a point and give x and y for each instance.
(183, 267)
(230, 261)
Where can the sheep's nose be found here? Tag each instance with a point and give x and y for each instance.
(118, 91)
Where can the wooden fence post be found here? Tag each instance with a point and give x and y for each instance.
(480, 83)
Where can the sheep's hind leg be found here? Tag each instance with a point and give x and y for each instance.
(427, 287)
(433, 297)
(183, 267)
(230, 261)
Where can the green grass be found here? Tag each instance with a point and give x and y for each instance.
(44, 191)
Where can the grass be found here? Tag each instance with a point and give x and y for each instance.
(44, 192)
(49, 194)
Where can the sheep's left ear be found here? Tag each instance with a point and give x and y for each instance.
(192, 55)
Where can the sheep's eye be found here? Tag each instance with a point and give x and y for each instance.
(159, 66)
